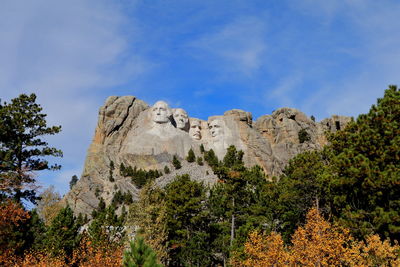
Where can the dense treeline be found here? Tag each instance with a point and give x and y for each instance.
(336, 206)
(354, 182)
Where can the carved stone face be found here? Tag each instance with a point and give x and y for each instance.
(161, 112)
(181, 118)
(216, 128)
(195, 129)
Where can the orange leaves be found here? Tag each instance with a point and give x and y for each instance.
(86, 255)
(265, 250)
(11, 216)
(11, 213)
(374, 252)
(318, 243)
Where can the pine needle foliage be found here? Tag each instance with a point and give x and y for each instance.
(140, 255)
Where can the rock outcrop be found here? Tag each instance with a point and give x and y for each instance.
(130, 133)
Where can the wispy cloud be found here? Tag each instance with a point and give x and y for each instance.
(234, 48)
(364, 39)
(67, 52)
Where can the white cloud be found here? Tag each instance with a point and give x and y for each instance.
(374, 27)
(68, 53)
(234, 48)
(282, 94)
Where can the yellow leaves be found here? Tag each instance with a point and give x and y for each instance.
(85, 255)
(265, 250)
(374, 252)
(318, 243)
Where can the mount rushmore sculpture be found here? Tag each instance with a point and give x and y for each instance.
(131, 133)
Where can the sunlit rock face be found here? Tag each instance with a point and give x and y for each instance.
(195, 129)
(181, 119)
(132, 133)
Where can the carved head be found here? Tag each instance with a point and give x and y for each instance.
(161, 112)
(216, 126)
(195, 129)
(181, 118)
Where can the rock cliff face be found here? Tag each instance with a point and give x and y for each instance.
(131, 133)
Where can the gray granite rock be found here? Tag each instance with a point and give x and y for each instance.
(134, 134)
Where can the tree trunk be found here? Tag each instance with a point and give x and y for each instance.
(233, 221)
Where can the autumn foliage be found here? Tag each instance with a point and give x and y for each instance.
(318, 243)
(86, 255)
(11, 216)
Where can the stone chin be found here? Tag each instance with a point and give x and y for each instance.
(160, 119)
(196, 136)
(180, 124)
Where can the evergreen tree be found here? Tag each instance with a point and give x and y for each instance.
(302, 186)
(202, 150)
(187, 223)
(21, 149)
(111, 172)
(63, 236)
(35, 232)
(238, 203)
(107, 228)
(176, 162)
(211, 158)
(166, 169)
(74, 180)
(191, 157)
(365, 170)
(200, 161)
(140, 255)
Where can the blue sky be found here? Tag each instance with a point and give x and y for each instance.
(322, 57)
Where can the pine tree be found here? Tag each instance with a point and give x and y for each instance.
(166, 169)
(200, 161)
(63, 236)
(191, 157)
(140, 255)
(211, 158)
(187, 223)
(365, 170)
(107, 228)
(176, 162)
(301, 186)
(21, 150)
(111, 172)
(74, 180)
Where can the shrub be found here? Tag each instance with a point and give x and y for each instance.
(304, 136)
(176, 163)
(191, 157)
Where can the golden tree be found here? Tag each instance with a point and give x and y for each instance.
(317, 243)
(374, 252)
(265, 250)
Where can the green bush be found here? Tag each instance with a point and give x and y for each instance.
(304, 136)
(176, 163)
(140, 255)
